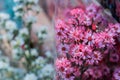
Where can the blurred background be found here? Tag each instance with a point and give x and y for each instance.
(27, 40)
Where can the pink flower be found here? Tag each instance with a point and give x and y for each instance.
(114, 57)
(77, 48)
(87, 21)
(96, 73)
(116, 74)
(76, 72)
(105, 70)
(88, 72)
(77, 58)
(62, 64)
(91, 10)
(75, 34)
(89, 38)
(77, 12)
(95, 58)
(63, 48)
(64, 69)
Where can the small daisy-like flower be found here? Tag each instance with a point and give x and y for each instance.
(89, 38)
(75, 34)
(91, 10)
(77, 58)
(77, 48)
(63, 48)
(94, 58)
(62, 64)
(87, 21)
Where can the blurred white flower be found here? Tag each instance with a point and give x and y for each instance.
(4, 16)
(19, 14)
(30, 19)
(46, 71)
(40, 61)
(3, 65)
(9, 35)
(30, 76)
(36, 8)
(48, 54)
(17, 53)
(24, 31)
(10, 25)
(18, 7)
(13, 43)
(19, 41)
(42, 33)
(34, 52)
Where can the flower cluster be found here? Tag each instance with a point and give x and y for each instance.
(88, 45)
(8, 72)
(7, 25)
(23, 5)
(36, 63)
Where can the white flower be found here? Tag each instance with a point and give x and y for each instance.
(13, 43)
(39, 61)
(116, 74)
(3, 65)
(19, 41)
(17, 53)
(19, 14)
(36, 8)
(4, 16)
(30, 76)
(9, 36)
(46, 71)
(10, 25)
(30, 19)
(34, 52)
(24, 31)
(18, 7)
(27, 53)
(40, 32)
(48, 54)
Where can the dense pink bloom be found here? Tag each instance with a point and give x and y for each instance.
(89, 46)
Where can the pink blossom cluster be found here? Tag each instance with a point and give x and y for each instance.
(88, 46)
